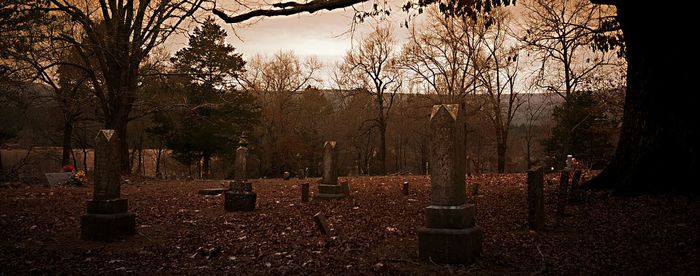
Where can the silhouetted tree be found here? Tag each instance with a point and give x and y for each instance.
(215, 112)
(373, 68)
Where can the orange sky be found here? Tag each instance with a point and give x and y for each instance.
(324, 34)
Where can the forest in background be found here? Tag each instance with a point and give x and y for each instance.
(528, 103)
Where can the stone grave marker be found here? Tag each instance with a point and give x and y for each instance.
(240, 196)
(345, 187)
(562, 195)
(575, 192)
(107, 215)
(55, 179)
(329, 187)
(450, 235)
(535, 198)
(322, 223)
(304, 192)
(212, 191)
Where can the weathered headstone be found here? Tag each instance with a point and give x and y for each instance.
(535, 198)
(55, 179)
(107, 215)
(405, 188)
(240, 167)
(329, 187)
(575, 191)
(304, 192)
(345, 187)
(240, 196)
(286, 175)
(562, 195)
(450, 235)
(322, 223)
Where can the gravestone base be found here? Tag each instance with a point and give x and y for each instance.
(449, 246)
(107, 220)
(330, 191)
(239, 201)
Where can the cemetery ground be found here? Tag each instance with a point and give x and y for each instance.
(373, 231)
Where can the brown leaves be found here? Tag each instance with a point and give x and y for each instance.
(374, 231)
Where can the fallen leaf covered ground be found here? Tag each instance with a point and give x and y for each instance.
(373, 232)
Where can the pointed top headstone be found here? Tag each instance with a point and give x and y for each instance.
(451, 110)
(447, 156)
(105, 134)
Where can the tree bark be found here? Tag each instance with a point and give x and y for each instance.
(501, 151)
(658, 147)
(206, 158)
(158, 155)
(382, 149)
(67, 147)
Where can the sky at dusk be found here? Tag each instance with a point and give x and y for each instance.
(325, 34)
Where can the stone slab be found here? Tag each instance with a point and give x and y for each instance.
(450, 217)
(237, 201)
(449, 246)
(55, 179)
(107, 227)
(328, 196)
(212, 191)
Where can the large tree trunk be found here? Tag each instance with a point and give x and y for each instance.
(382, 149)
(67, 147)
(501, 151)
(206, 159)
(159, 175)
(658, 145)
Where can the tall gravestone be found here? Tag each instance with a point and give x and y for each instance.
(575, 191)
(450, 234)
(535, 198)
(329, 187)
(562, 196)
(240, 196)
(107, 215)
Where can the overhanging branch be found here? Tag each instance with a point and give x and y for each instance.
(288, 8)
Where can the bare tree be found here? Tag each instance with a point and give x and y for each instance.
(277, 82)
(112, 39)
(561, 32)
(441, 53)
(535, 106)
(373, 67)
(498, 70)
